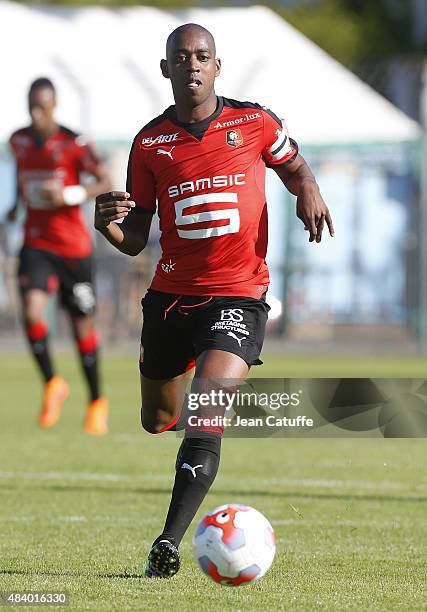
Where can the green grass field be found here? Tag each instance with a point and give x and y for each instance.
(79, 514)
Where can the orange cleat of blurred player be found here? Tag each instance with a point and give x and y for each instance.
(56, 391)
(96, 421)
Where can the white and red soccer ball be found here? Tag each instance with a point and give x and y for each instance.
(234, 544)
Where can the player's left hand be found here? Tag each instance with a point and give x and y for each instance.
(12, 214)
(52, 193)
(313, 212)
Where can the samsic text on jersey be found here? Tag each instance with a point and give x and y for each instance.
(61, 159)
(209, 181)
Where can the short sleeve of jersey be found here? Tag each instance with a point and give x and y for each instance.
(87, 157)
(13, 145)
(279, 148)
(140, 181)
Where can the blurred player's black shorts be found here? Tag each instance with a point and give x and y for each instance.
(71, 277)
(177, 329)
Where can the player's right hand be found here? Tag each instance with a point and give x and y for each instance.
(111, 206)
(12, 214)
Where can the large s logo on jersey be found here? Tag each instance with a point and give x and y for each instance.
(230, 214)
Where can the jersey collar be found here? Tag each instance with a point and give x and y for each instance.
(199, 128)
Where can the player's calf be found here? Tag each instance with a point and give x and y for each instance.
(196, 468)
(37, 333)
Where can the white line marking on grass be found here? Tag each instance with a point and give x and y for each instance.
(74, 519)
(42, 519)
(95, 476)
(333, 484)
(344, 523)
(336, 484)
(17, 519)
(65, 476)
(295, 482)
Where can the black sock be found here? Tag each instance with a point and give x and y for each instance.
(196, 467)
(89, 363)
(37, 335)
(89, 360)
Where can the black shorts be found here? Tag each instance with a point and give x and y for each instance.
(177, 329)
(48, 272)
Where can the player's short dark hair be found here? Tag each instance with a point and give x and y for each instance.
(39, 83)
(188, 26)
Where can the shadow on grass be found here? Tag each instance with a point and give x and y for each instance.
(123, 575)
(224, 493)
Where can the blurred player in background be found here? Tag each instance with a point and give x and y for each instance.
(56, 255)
(203, 160)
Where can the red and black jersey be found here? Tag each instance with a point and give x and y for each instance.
(61, 158)
(208, 179)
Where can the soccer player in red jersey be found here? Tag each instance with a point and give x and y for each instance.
(56, 254)
(203, 162)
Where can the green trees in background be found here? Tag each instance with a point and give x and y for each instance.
(353, 31)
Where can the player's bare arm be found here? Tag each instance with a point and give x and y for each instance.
(130, 237)
(12, 213)
(311, 208)
(57, 196)
(13, 210)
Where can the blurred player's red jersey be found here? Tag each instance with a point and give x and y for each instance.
(209, 181)
(61, 158)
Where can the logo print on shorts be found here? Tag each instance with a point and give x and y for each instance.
(234, 138)
(83, 297)
(239, 340)
(232, 314)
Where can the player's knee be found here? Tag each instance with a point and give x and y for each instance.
(156, 423)
(32, 314)
(148, 425)
(36, 329)
(88, 343)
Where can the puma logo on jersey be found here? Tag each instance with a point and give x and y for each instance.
(164, 152)
(162, 138)
(186, 466)
(239, 340)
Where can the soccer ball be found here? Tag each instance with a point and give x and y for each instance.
(234, 544)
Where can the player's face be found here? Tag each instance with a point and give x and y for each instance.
(42, 103)
(192, 67)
